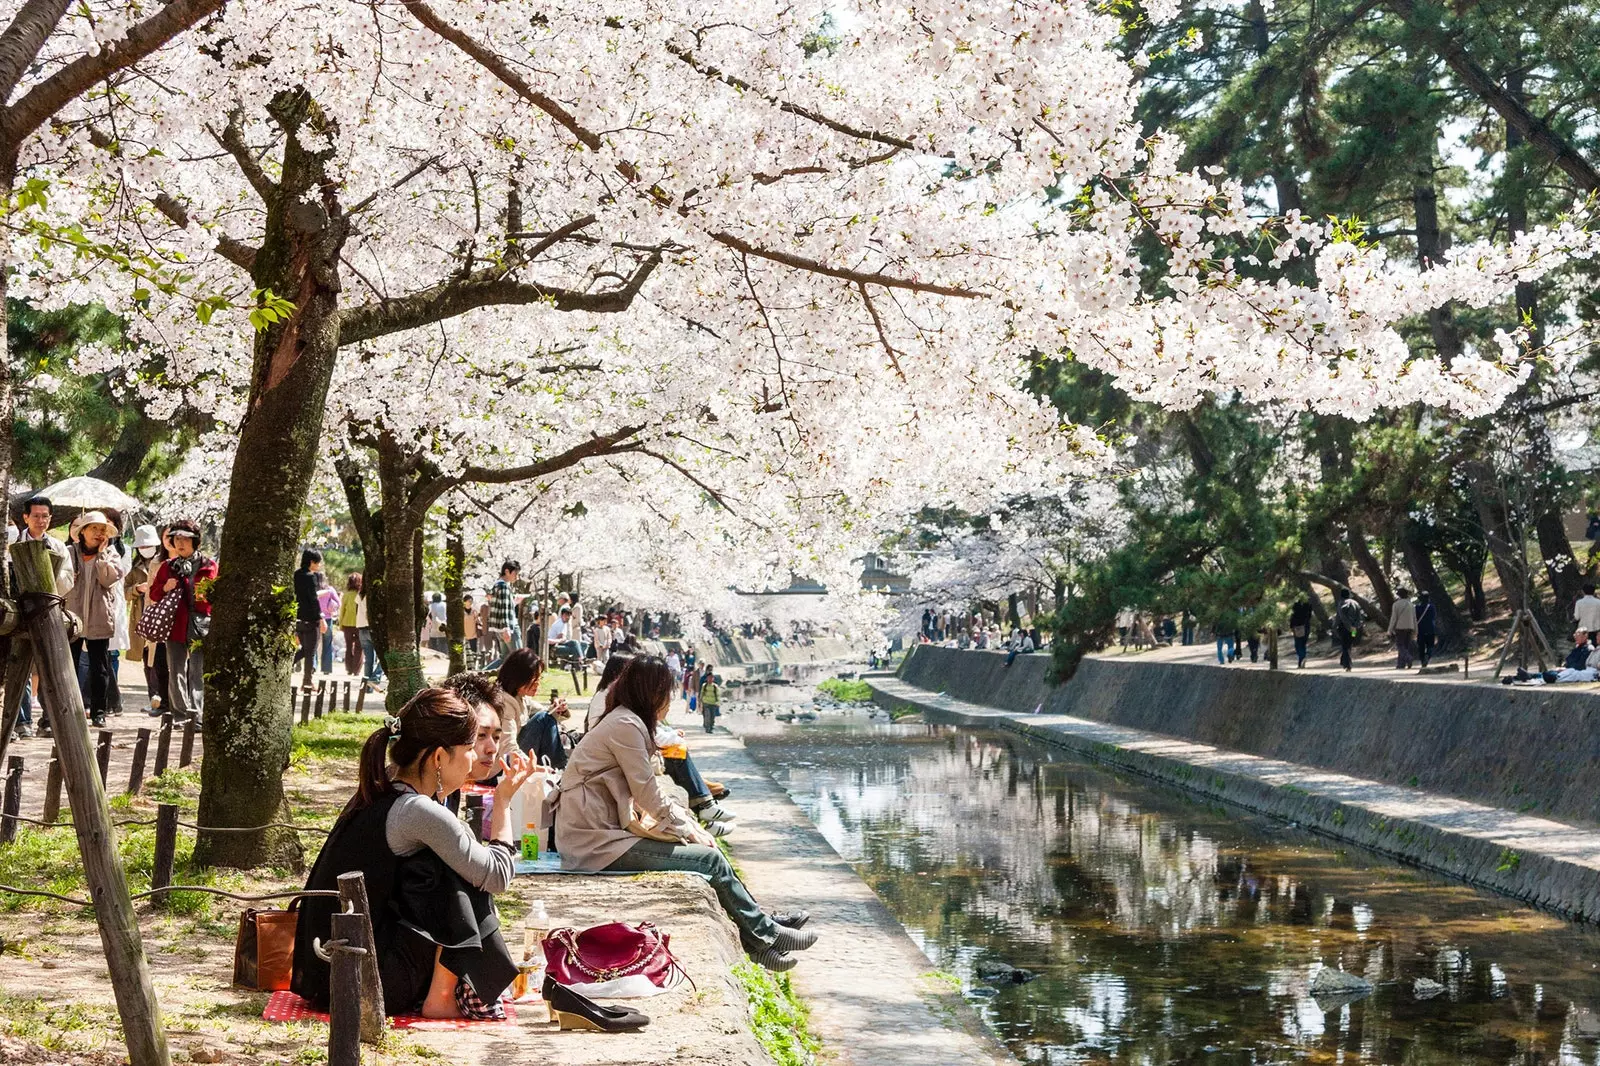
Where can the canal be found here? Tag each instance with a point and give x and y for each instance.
(1167, 930)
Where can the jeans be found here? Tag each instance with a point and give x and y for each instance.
(1188, 634)
(369, 653)
(25, 715)
(95, 695)
(1345, 639)
(708, 716)
(756, 929)
(113, 688)
(307, 633)
(686, 776)
(185, 678)
(1224, 656)
(327, 650)
(1300, 649)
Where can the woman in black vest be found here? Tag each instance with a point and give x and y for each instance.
(429, 882)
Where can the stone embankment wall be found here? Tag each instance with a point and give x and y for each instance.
(1535, 750)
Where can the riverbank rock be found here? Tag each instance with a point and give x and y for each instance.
(1004, 972)
(1425, 988)
(1331, 982)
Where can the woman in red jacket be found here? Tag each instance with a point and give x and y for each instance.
(189, 575)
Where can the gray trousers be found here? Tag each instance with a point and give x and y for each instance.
(186, 674)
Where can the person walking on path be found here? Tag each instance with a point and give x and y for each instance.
(328, 600)
(349, 605)
(1300, 629)
(503, 627)
(307, 613)
(1403, 627)
(189, 576)
(1586, 612)
(1427, 628)
(97, 573)
(1226, 630)
(1347, 627)
(710, 702)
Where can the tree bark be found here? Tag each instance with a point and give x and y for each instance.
(402, 524)
(455, 589)
(1432, 244)
(247, 707)
(1362, 554)
(1505, 545)
(1452, 627)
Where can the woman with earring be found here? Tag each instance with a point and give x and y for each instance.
(430, 883)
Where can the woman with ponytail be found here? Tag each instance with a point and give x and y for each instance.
(429, 882)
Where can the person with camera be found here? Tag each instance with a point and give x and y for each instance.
(97, 573)
(188, 575)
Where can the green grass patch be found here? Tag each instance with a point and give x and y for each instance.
(56, 1026)
(181, 787)
(905, 710)
(847, 691)
(332, 737)
(779, 1020)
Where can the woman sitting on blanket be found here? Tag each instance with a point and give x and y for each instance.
(429, 883)
(611, 813)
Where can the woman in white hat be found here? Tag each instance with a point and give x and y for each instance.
(97, 583)
(146, 557)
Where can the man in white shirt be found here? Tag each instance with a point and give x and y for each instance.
(37, 515)
(1586, 612)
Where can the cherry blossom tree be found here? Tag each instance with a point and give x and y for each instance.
(816, 246)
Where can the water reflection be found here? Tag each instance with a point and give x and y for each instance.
(1168, 931)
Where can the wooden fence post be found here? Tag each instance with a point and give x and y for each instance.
(141, 751)
(305, 707)
(52, 789)
(322, 691)
(166, 848)
(361, 697)
(19, 668)
(347, 695)
(186, 753)
(353, 893)
(163, 745)
(11, 806)
(33, 565)
(348, 952)
(102, 753)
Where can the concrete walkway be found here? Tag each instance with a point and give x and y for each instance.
(871, 1003)
(1537, 860)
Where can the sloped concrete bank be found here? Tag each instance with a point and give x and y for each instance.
(1543, 862)
(1530, 750)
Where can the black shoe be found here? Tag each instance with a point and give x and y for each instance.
(574, 1011)
(98, 720)
(792, 919)
(789, 940)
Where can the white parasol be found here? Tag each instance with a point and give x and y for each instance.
(89, 493)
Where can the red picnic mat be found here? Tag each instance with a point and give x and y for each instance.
(285, 1006)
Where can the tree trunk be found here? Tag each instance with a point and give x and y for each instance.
(401, 527)
(1477, 602)
(1432, 244)
(247, 705)
(1452, 628)
(1505, 542)
(455, 578)
(1362, 554)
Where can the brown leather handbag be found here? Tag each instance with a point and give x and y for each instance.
(263, 952)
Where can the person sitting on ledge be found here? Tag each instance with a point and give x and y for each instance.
(1580, 665)
(610, 813)
(429, 883)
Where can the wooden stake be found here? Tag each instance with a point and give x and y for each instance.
(347, 695)
(361, 698)
(52, 790)
(166, 848)
(102, 753)
(353, 892)
(186, 752)
(11, 806)
(141, 750)
(347, 950)
(19, 667)
(163, 745)
(475, 815)
(34, 569)
(322, 690)
(305, 707)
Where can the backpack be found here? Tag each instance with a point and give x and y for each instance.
(1350, 617)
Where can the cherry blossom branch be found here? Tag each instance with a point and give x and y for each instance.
(231, 139)
(860, 277)
(883, 336)
(24, 37)
(372, 197)
(484, 288)
(77, 77)
(701, 485)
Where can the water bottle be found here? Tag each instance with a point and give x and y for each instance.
(535, 927)
(530, 843)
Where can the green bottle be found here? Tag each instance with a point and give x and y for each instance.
(530, 843)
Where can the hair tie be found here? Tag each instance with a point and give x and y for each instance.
(392, 724)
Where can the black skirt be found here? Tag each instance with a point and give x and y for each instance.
(440, 914)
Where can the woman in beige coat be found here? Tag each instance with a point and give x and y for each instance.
(97, 582)
(609, 797)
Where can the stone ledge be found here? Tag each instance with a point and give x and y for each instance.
(1536, 860)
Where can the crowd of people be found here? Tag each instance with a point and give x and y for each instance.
(144, 597)
(980, 632)
(626, 796)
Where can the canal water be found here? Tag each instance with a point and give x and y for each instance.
(1167, 930)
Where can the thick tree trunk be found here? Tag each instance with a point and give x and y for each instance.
(1452, 628)
(247, 707)
(1362, 554)
(454, 589)
(1432, 244)
(1505, 542)
(401, 526)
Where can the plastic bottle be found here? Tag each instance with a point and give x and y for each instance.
(535, 927)
(530, 842)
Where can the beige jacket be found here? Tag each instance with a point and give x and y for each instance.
(96, 584)
(608, 781)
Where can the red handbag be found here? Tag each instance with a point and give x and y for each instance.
(610, 952)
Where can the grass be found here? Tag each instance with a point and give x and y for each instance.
(60, 1027)
(847, 691)
(778, 1019)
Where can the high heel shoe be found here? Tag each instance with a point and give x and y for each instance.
(574, 1011)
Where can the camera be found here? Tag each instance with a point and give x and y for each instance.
(181, 567)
